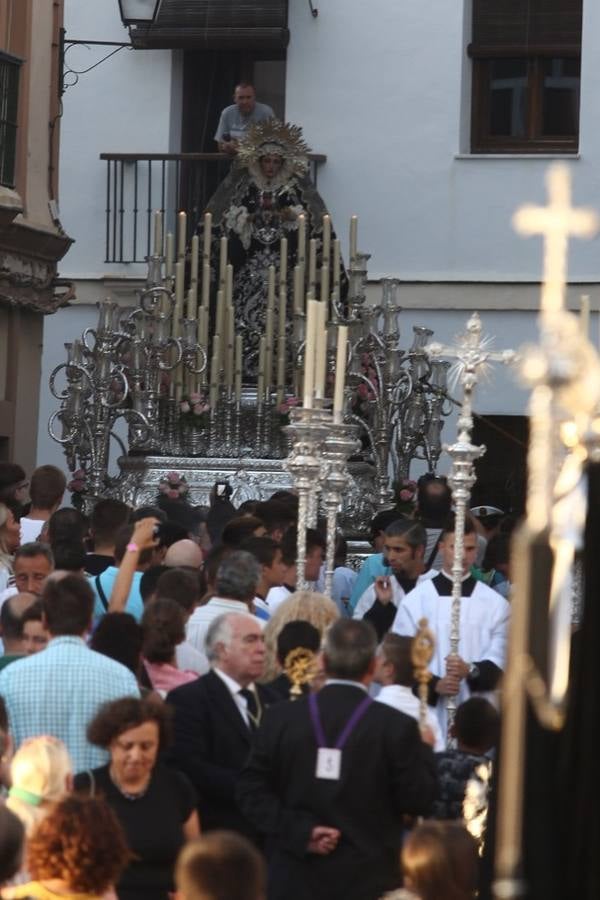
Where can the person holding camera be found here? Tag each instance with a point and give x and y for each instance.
(118, 589)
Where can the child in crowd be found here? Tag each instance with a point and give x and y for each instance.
(476, 729)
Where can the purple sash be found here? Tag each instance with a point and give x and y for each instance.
(348, 727)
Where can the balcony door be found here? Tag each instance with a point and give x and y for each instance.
(209, 80)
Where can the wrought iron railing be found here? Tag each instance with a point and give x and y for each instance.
(9, 104)
(137, 184)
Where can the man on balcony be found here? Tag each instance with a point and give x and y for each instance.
(237, 118)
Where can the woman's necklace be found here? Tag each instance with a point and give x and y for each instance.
(127, 794)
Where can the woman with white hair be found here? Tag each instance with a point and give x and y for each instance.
(307, 606)
(41, 773)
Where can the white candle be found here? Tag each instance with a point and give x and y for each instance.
(220, 315)
(206, 237)
(229, 284)
(223, 262)
(158, 241)
(215, 369)
(260, 389)
(181, 233)
(203, 334)
(195, 251)
(312, 266)
(178, 308)
(269, 328)
(321, 350)
(170, 255)
(301, 239)
(326, 238)
(238, 367)
(309, 354)
(298, 295)
(281, 344)
(584, 318)
(205, 285)
(340, 374)
(353, 238)
(229, 360)
(214, 379)
(325, 283)
(283, 253)
(336, 264)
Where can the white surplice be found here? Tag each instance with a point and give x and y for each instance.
(484, 619)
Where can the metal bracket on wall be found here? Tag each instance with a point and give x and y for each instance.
(314, 12)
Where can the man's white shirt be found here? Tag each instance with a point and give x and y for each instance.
(368, 597)
(199, 622)
(403, 699)
(234, 689)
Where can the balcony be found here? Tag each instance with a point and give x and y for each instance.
(137, 184)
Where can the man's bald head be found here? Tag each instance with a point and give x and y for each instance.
(184, 553)
(11, 621)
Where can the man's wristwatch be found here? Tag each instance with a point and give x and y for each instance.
(473, 671)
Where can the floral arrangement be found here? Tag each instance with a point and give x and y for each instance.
(192, 407)
(406, 495)
(173, 485)
(77, 484)
(285, 406)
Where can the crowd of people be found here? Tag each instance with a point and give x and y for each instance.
(176, 715)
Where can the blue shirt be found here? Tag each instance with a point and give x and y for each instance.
(59, 690)
(369, 571)
(106, 580)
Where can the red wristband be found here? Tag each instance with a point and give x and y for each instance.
(132, 547)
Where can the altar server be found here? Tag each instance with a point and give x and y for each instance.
(483, 628)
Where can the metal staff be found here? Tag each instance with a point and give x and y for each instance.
(473, 353)
(564, 371)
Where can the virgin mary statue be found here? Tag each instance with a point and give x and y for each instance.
(256, 205)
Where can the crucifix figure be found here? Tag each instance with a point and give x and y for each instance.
(473, 352)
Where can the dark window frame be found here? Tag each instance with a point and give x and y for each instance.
(531, 31)
(10, 67)
(535, 142)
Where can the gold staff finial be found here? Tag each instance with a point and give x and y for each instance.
(422, 650)
(300, 666)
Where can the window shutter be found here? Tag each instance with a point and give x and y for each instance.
(217, 24)
(526, 24)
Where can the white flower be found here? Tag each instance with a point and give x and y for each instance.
(238, 220)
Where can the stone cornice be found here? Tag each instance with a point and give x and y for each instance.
(28, 258)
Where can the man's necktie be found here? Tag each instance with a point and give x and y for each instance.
(251, 707)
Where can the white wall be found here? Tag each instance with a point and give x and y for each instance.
(378, 87)
(123, 105)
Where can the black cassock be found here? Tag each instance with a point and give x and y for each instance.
(561, 819)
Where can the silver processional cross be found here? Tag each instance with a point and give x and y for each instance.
(473, 352)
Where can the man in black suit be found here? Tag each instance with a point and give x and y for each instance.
(330, 778)
(216, 716)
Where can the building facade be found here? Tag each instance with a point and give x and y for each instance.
(32, 240)
(437, 122)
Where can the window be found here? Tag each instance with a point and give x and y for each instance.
(9, 100)
(526, 76)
